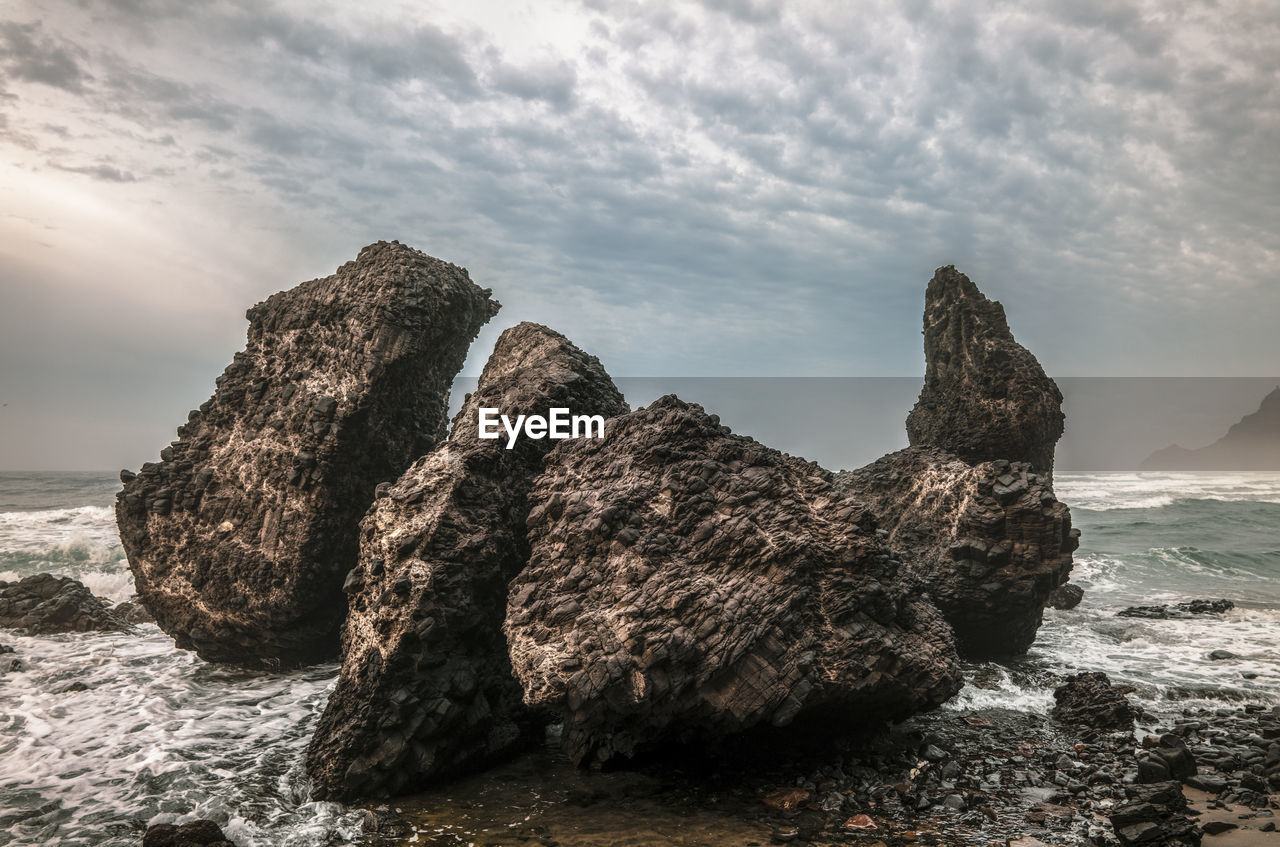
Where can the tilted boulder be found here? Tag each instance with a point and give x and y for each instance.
(426, 688)
(239, 538)
(43, 604)
(686, 582)
(990, 542)
(985, 396)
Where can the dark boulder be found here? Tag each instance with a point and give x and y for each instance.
(1154, 815)
(985, 396)
(1089, 699)
(44, 604)
(990, 542)
(686, 583)
(1191, 608)
(1065, 597)
(200, 833)
(426, 688)
(240, 537)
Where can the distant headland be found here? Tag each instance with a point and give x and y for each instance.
(1252, 444)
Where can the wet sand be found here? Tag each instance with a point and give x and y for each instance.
(1246, 835)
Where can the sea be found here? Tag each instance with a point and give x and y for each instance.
(160, 736)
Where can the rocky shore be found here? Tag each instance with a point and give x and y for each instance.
(702, 625)
(988, 778)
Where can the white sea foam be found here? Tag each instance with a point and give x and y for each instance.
(1150, 489)
(159, 737)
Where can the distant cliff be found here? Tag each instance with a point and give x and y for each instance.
(1253, 444)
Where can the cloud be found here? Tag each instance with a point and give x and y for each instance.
(101, 170)
(31, 55)
(725, 187)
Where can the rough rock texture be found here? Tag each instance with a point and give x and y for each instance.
(426, 688)
(989, 541)
(985, 396)
(240, 536)
(1168, 757)
(200, 833)
(1188, 609)
(686, 582)
(1065, 597)
(1155, 815)
(1090, 700)
(44, 604)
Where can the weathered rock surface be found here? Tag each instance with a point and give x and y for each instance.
(44, 604)
(200, 833)
(1155, 815)
(686, 582)
(1167, 757)
(1189, 609)
(1065, 597)
(426, 688)
(985, 396)
(239, 538)
(989, 541)
(1089, 699)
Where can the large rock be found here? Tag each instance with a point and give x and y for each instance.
(985, 396)
(686, 582)
(1089, 699)
(44, 604)
(1154, 815)
(240, 536)
(989, 541)
(426, 688)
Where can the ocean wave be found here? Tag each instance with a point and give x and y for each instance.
(58, 529)
(158, 737)
(1153, 490)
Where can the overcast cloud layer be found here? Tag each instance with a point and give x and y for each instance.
(725, 188)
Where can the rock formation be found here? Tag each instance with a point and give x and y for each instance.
(240, 536)
(1089, 699)
(426, 688)
(686, 582)
(44, 604)
(1252, 444)
(1065, 597)
(1189, 609)
(989, 541)
(1154, 815)
(985, 396)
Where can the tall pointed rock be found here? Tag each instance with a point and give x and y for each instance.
(985, 396)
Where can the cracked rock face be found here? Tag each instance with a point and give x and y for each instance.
(239, 538)
(989, 542)
(685, 582)
(44, 604)
(426, 689)
(985, 396)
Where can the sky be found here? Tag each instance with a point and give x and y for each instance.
(724, 188)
